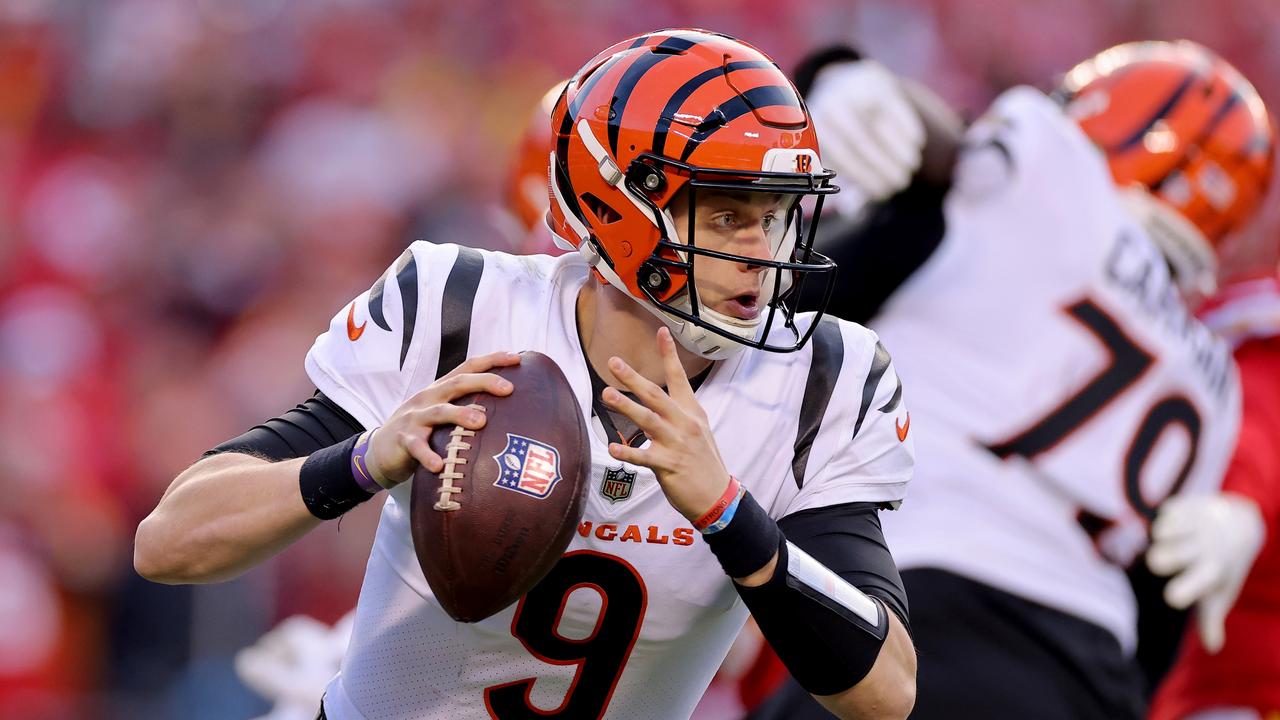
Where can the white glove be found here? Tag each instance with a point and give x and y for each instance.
(1208, 542)
(293, 663)
(868, 130)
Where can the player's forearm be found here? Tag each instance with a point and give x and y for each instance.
(220, 517)
(889, 690)
(844, 646)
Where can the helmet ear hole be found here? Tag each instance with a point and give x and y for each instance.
(646, 178)
(656, 279)
(601, 209)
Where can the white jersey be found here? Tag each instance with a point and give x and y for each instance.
(636, 617)
(1061, 389)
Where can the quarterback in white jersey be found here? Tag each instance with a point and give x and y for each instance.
(671, 613)
(1062, 389)
(740, 451)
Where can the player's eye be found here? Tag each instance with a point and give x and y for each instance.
(768, 221)
(725, 220)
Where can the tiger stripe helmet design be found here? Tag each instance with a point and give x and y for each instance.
(1181, 130)
(674, 110)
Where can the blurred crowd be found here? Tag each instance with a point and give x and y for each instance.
(189, 190)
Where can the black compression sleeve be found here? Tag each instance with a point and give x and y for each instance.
(824, 612)
(849, 541)
(876, 253)
(315, 424)
(827, 634)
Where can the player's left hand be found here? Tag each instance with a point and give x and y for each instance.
(1208, 544)
(682, 451)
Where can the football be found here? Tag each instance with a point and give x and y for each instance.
(500, 514)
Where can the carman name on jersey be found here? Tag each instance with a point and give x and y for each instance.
(1134, 267)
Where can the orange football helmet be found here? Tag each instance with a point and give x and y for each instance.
(674, 110)
(1182, 130)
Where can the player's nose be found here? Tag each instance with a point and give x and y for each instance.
(754, 244)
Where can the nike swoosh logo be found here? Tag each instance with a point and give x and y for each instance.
(902, 428)
(354, 332)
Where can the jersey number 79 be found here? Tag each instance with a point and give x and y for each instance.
(1128, 362)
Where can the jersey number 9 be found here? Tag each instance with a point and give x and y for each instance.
(600, 656)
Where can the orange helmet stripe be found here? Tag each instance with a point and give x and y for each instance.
(682, 94)
(1210, 125)
(739, 105)
(1160, 113)
(631, 78)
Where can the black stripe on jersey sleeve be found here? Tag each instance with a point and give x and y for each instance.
(879, 365)
(407, 279)
(824, 370)
(893, 402)
(375, 302)
(456, 307)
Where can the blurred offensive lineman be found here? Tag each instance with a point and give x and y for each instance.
(1067, 389)
(672, 149)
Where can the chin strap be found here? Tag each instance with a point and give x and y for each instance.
(1195, 267)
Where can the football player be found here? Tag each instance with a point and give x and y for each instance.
(741, 451)
(1062, 388)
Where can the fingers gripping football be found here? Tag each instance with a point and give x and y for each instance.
(682, 451)
(400, 445)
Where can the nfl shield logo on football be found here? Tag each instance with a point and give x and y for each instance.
(528, 466)
(617, 483)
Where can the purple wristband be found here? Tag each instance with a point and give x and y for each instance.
(358, 468)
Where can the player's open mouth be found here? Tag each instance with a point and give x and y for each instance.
(744, 307)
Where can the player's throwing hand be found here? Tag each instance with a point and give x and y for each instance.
(399, 446)
(682, 450)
